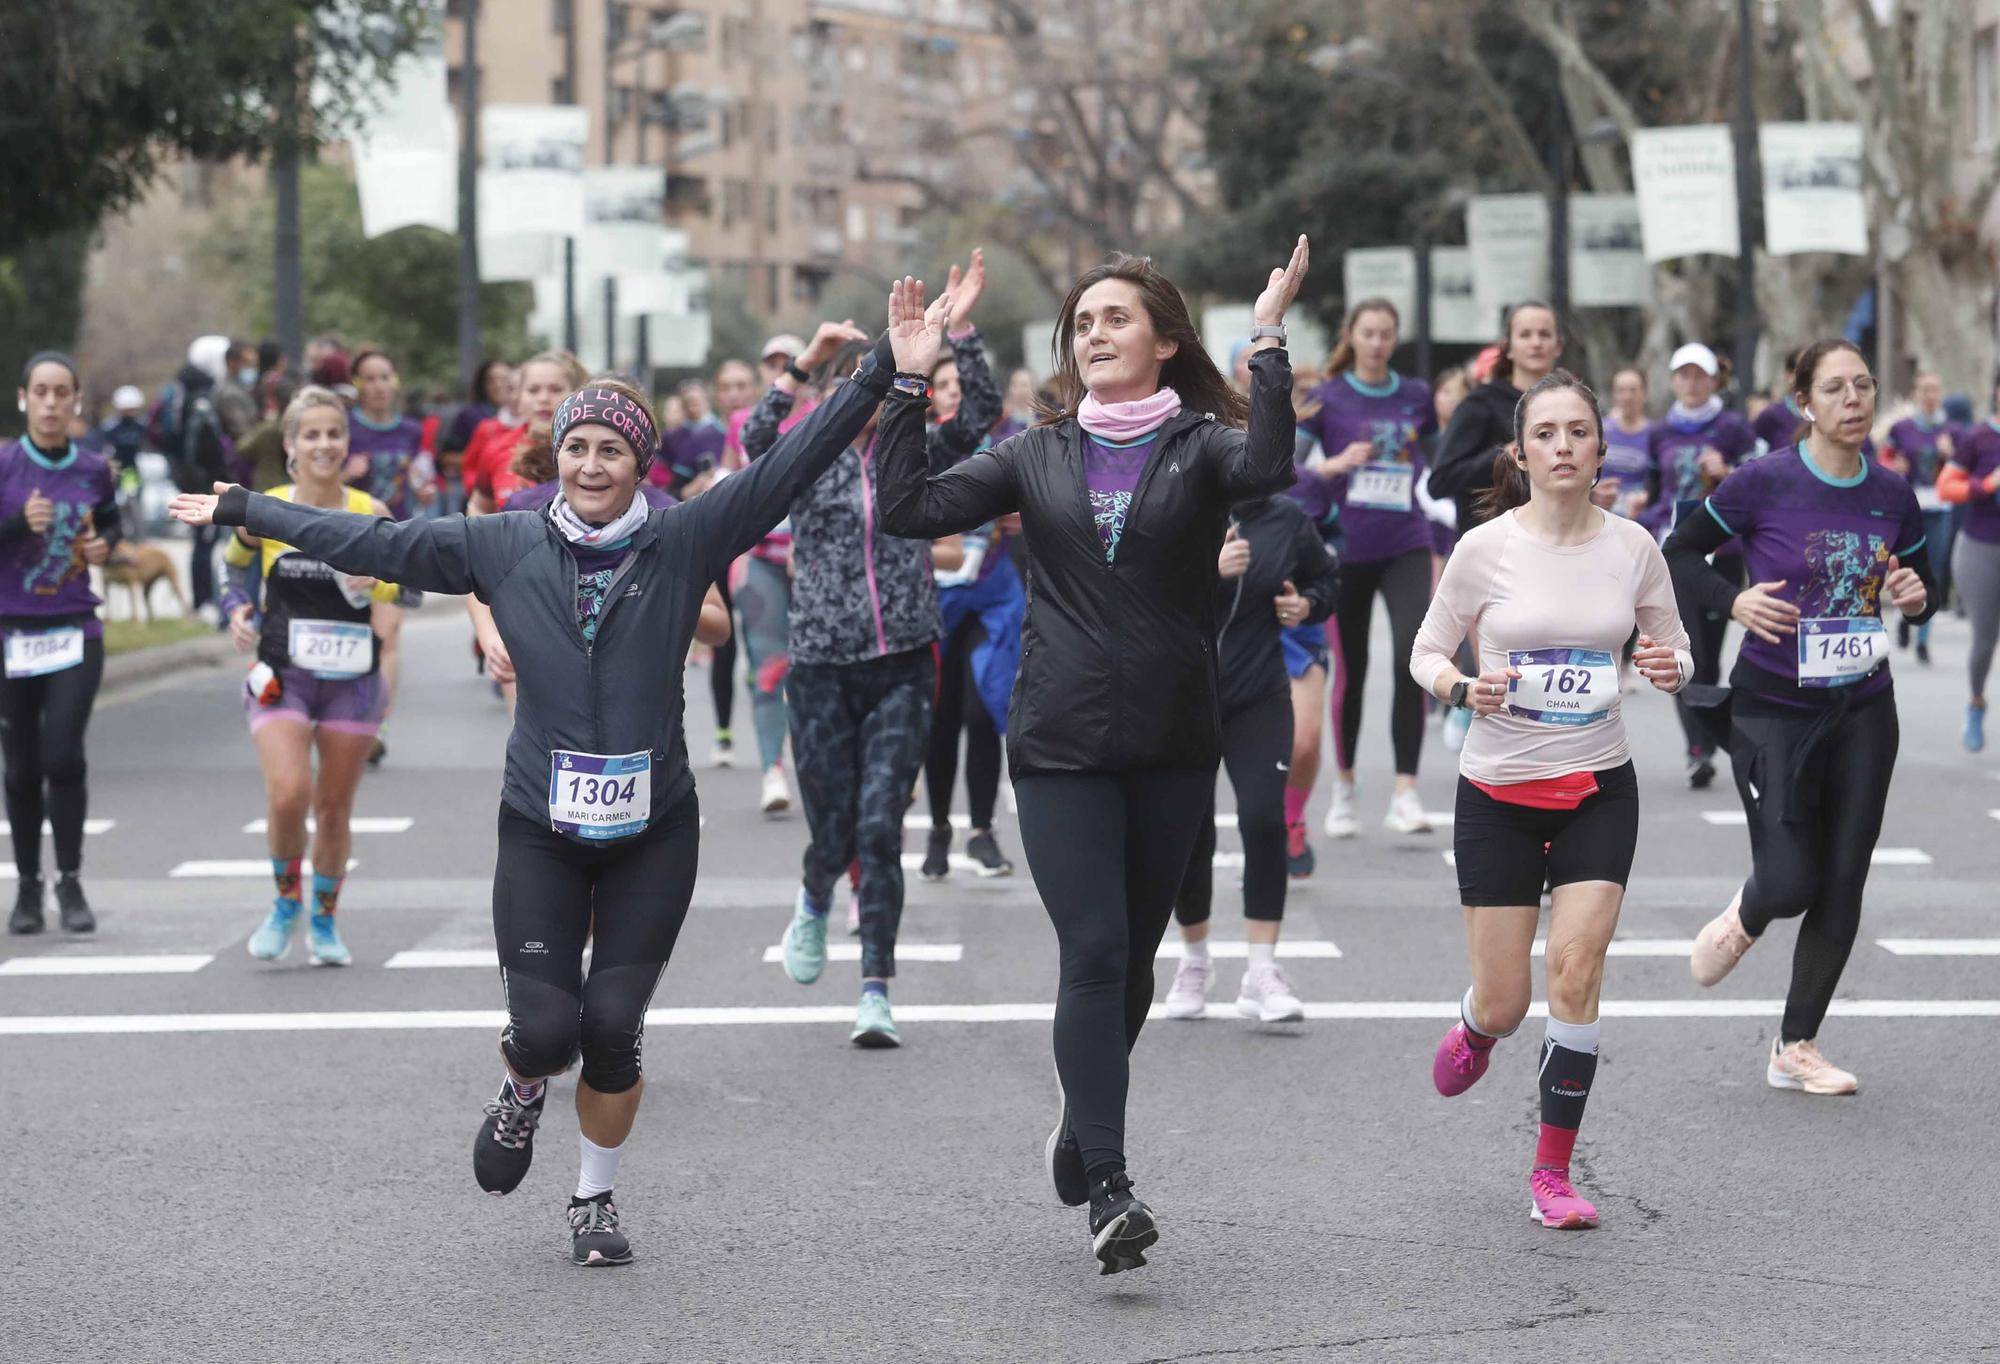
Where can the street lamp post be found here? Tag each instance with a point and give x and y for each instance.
(468, 195)
(1748, 193)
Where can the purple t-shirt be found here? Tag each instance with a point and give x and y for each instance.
(1916, 440)
(689, 450)
(1379, 514)
(538, 495)
(1111, 476)
(44, 575)
(391, 451)
(1675, 452)
(1778, 425)
(1627, 453)
(1829, 541)
(1978, 453)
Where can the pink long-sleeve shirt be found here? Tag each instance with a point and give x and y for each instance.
(1521, 594)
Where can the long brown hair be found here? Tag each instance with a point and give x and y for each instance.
(1510, 478)
(1190, 371)
(1503, 367)
(1342, 358)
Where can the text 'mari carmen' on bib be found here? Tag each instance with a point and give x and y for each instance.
(1835, 651)
(330, 648)
(593, 795)
(1562, 686)
(35, 653)
(1381, 487)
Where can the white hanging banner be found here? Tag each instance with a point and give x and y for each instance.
(1382, 272)
(517, 256)
(1812, 188)
(405, 148)
(1508, 235)
(1455, 312)
(1685, 181)
(1607, 256)
(624, 229)
(532, 168)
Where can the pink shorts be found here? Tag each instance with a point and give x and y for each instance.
(345, 705)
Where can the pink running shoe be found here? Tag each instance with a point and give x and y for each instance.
(1720, 945)
(1458, 1064)
(1556, 1204)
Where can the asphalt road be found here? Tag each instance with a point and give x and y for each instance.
(239, 1161)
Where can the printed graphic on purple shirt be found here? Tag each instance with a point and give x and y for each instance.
(1979, 455)
(1676, 452)
(45, 575)
(1378, 511)
(387, 462)
(1111, 475)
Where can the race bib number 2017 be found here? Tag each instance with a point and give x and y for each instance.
(331, 648)
(596, 796)
(1562, 686)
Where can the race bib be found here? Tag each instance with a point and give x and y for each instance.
(38, 652)
(1837, 650)
(1562, 686)
(1381, 487)
(331, 648)
(593, 796)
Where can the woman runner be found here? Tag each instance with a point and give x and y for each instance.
(318, 682)
(599, 824)
(58, 518)
(1970, 480)
(1827, 534)
(1920, 447)
(1531, 344)
(1627, 444)
(1124, 496)
(386, 460)
(1546, 795)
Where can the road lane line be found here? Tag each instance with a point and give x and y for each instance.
(1366, 1011)
(1900, 857)
(360, 824)
(1635, 947)
(247, 866)
(905, 951)
(1301, 948)
(427, 957)
(1941, 947)
(1726, 818)
(163, 964)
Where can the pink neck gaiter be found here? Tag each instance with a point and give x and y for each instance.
(1127, 421)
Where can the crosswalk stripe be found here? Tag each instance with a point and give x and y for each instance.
(1635, 947)
(1882, 857)
(90, 826)
(426, 957)
(1941, 947)
(905, 951)
(359, 824)
(246, 866)
(162, 965)
(1726, 818)
(923, 822)
(1298, 949)
(957, 862)
(1388, 1010)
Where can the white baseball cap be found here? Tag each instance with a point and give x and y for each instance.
(784, 343)
(128, 398)
(1698, 355)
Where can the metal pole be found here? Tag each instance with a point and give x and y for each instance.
(1423, 318)
(611, 16)
(645, 354)
(1559, 159)
(610, 323)
(468, 195)
(1749, 192)
(288, 303)
(566, 11)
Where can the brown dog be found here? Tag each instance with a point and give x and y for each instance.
(136, 567)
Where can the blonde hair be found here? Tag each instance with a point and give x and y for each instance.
(573, 371)
(311, 396)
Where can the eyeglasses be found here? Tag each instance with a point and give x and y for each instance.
(1864, 387)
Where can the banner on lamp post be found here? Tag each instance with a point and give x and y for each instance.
(1455, 311)
(1508, 235)
(1812, 188)
(624, 227)
(1607, 256)
(405, 148)
(1382, 272)
(531, 176)
(1685, 182)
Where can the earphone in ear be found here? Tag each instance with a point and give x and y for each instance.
(20, 404)
(77, 408)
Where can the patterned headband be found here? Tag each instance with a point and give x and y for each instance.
(608, 407)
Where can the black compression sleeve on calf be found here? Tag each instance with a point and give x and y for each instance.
(1569, 1064)
(233, 507)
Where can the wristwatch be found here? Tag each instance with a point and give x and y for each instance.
(1259, 333)
(792, 368)
(1459, 690)
(911, 385)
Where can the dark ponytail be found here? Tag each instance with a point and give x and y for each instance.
(1510, 474)
(1503, 367)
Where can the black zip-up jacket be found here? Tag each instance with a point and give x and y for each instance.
(1117, 659)
(1285, 546)
(1463, 471)
(620, 693)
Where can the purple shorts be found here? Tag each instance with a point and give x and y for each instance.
(345, 705)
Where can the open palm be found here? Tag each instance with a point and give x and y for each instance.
(1283, 287)
(915, 331)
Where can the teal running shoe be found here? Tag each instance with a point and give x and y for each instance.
(805, 943)
(273, 937)
(323, 938)
(1975, 728)
(874, 1025)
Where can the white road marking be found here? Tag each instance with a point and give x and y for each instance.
(1726, 818)
(424, 957)
(905, 951)
(360, 824)
(90, 826)
(1900, 857)
(1389, 1010)
(957, 862)
(1636, 947)
(248, 866)
(163, 965)
(1450, 858)
(1941, 947)
(1993, 814)
(1301, 948)
(923, 822)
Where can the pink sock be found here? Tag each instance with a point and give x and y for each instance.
(1553, 1147)
(1295, 805)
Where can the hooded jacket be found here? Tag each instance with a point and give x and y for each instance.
(1285, 546)
(1482, 424)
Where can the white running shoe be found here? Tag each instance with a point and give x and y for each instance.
(777, 791)
(1406, 814)
(1189, 996)
(722, 754)
(1800, 1066)
(1266, 995)
(1340, 821)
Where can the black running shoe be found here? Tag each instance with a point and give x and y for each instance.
(984, 849)
(377, 751)
(505, 1146)
(1903, 634)
(937, 855)
(1065, 1161)
(76, 915)
(1121, 1227)
(27, 915)
(594, 1238)
(1923, 652)
(1701, 770)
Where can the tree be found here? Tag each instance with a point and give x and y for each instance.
(41, 297)
(398, 291)
(98, 92)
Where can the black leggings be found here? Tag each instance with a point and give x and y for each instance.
(959, 706)
(1814, 788)
(1405, 584)
(1706, 630)
(1257, 750)
(627, 898)
(42, 723)
(722, 669)
(1108, 851)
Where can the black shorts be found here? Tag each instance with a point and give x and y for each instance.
(1507, 853)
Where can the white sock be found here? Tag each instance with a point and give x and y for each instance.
(600, 1167)
(1262, 954)
(1195, 951)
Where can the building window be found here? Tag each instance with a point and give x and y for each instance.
(1986, 85)
(562, 14)
(559, 90)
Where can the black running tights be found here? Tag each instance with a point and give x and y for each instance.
(1108, 852)
(42, 723)
(722, 667)
(959, 706)
(1405, 584)
(1706, 631)
(1257, 751)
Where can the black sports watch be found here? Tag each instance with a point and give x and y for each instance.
(792, 368)
(1459, 689)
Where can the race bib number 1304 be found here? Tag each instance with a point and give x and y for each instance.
(596, 796)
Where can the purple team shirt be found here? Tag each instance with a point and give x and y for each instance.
(1978, 453)
(1391, 418)
(1111, 476)
(1626, 454)
(1675, 452)
(391, 450)
(1916, 440)
(1829, 541)
(1778, 425)
(44, 575)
